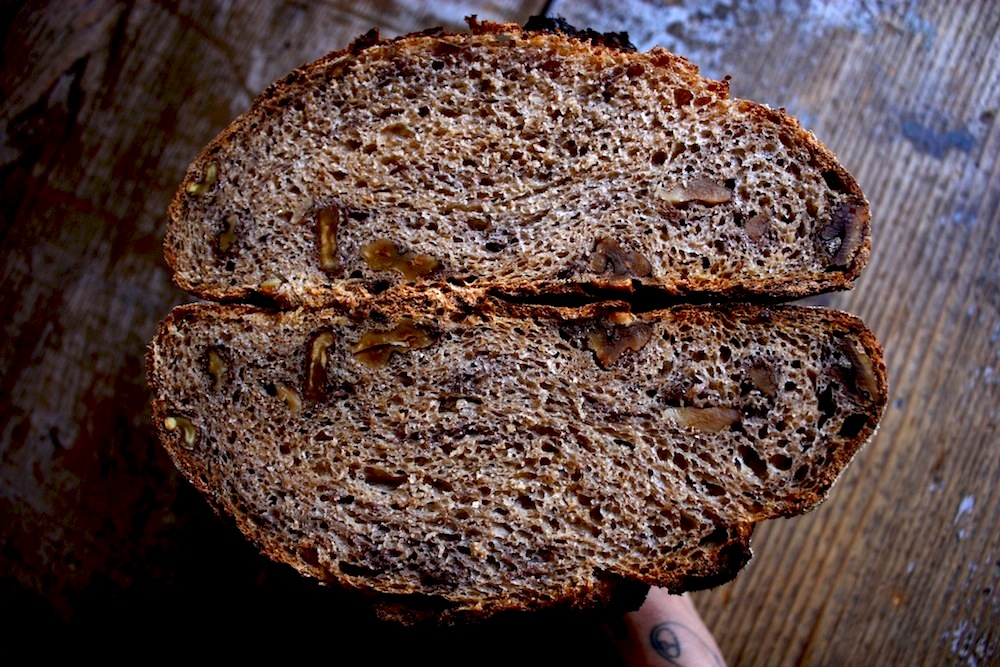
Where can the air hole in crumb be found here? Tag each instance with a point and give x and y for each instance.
(526, 502)
(310, 555)
(380, 477)
(827, 406)
(753, 461)
(781, 461)
(853, 425)
(834, 181)
(659, 157)
(718, 536)
(345, 500)
(354, 570)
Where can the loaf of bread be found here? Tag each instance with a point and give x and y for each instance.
(482, 346)
(522, 161)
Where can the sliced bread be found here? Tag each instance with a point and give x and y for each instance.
(468, 465)
(525, 161)
(447, 403)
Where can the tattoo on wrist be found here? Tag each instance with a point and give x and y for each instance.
(670, 640)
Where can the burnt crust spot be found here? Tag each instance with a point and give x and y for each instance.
(612, 40)
(365, 41)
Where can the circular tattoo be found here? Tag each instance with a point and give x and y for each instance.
(665, 639)
(665, 642)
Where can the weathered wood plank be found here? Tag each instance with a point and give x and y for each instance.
(102, 106)
(901, 565)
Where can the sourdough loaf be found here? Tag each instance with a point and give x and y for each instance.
(496, 359)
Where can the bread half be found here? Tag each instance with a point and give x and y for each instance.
(456, 462)
(523, 161)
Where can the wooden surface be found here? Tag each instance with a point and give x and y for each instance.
(102, 106)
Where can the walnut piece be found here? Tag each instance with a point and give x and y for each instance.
(327, 223)
(609, 344)
(208, 179)
(270, 286)
(227, 236)
(189, 432)
(865, 383)
(382, 255)
(608, 253)
(762, 377)
(316, 365)
(290, 396)
(216, 367)
(709, 420)
(375, 347)
(701, 190)
(846, 225)
(756, 227)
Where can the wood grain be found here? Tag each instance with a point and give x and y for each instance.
(902, 564)
(102, 106)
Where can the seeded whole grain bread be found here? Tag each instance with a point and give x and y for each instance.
(524, 161)
(496, 359)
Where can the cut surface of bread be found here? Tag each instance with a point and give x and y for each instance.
(448, 404)
(511, 462)
(525, 161)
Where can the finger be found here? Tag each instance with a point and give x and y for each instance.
(666, 631)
